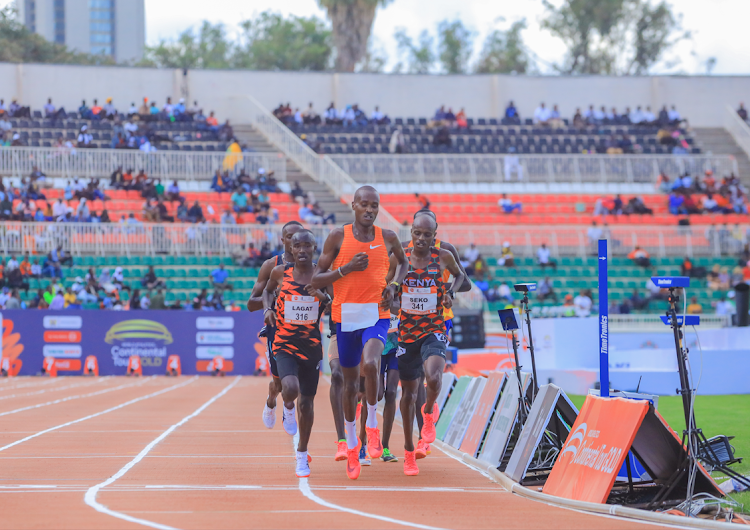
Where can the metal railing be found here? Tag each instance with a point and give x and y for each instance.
(320, 167)
(548, 169)
(214, 239)
(87, 163)
(738, 128)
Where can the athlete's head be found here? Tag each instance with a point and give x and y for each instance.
(288, 230)
(303, 246)
(423, 231)
(366, 205)
(428, 213)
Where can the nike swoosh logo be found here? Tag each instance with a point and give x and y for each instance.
(376, 246)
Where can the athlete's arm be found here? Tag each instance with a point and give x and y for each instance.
(391, 269)
(447, 261)
(322, 275)
(402, 266)
(274, 280)
(255, 302)
(466, 285)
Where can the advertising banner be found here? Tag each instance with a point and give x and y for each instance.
(596, 448)
(113, 336)
(481, 417)
(457, 429)
(451, 406)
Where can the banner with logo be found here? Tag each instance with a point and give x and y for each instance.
(596, 448)
(113, 336)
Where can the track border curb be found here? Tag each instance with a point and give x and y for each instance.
(605, 509)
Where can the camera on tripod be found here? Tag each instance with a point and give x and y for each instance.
(525, 287)
(671, 282)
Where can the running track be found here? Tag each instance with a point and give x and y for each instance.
(193, 453)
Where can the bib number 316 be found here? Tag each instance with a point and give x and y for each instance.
(301, 310)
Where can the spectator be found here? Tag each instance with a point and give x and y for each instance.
(297, 193)
(506, 256)
(145, 301)
(84, 138)
(543, 257)
(424, 202)
(173, 193)
(220, 182)
(195, 213)
(582, 304)
(504, 294)
(319, 212)
(25, 267)
(442, 137)
(511, 115)
(508, 205)
(722, 307)
(742, 112)
(239, 201)
(306, 214)
(227, 218)
(637, 301)
(58, 302)
(219, 277)
(677, 204)
(14, 301)
(472, 253)
(162, 212)
(157, 300)
(542, 114)
(569, 307)
(200, 300)
(694, 308)
(150, 281)
(545, 290)
(396, 144)
(640, 257)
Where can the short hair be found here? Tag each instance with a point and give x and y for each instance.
(291, 223)
(304, 231)
(426, 212)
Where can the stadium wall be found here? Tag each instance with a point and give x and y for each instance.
(702, 99)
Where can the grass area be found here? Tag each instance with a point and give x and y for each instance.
(729, 415)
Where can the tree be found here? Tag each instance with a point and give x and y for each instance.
(351, 22)
(613, 36)
(19, 45)
(210, 48)
(455, 44)
(504, 52)
(272, 42)
(420, 57)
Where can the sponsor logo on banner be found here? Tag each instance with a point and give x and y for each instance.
(209, 323)
(71, 351)
(145, 338)
(209, 352)
(62, 322)
(214, 337)
(62, 336)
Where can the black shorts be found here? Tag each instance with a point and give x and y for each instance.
(270, 334)
(411, 356)
(307, 372)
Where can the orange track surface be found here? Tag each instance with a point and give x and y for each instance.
(222, 468)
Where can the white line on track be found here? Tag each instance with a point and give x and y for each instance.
(25, 382)
(90, 497)
(70, 398)
(97, 414)
(54, 389)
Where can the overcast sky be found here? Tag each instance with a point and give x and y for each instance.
(719, 27)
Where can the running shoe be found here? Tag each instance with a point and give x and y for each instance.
(364, 458)
(309, 458)
(289, 420)
(340, 451)
(410, 464)
(387, 456)
(421, 450)
(373, 442)
(359, 410)
(269, 416)
(303, 465)
(352, 462)
(428, 427)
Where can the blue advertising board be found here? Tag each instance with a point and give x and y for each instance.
(113, 336)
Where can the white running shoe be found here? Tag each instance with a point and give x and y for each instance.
(289, 420)
(303, 466)
(269, 416)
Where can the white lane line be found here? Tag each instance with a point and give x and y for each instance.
(71, 398)
(90, 497)
(304, 488)
(55, 389)
(97, 414)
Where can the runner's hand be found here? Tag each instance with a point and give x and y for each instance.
(270, 318)
(447, 301)
(358, 263)
(312, 291)
(389, 293)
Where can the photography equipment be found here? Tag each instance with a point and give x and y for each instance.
(693, 439)
(509, 322)
(526, 288)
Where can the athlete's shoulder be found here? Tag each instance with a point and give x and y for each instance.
(337, 233)
(447, 246)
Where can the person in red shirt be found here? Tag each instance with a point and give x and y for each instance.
(25, 267)
(96, 109)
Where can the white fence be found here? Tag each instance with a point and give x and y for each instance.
(738, 128)
(203, 239)
(548, 169)
(87, 163)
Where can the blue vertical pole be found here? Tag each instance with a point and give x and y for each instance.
(603, 320)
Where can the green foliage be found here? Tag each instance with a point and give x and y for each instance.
(19, 45)
(454, 46)
(615, 37)
(504, 52)
(419, 57)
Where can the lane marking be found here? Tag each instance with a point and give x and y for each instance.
(55, 389)
(71, 398)
(90, 497)
(25, 384)
(97, 414)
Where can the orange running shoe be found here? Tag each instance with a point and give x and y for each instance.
(340, 451)
(421, 450)
(309, 458)
(374, 446)
(359, 411)
(352, 462)
(410, 464)
(428, 427)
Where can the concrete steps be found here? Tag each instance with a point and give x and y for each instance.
(718, 141)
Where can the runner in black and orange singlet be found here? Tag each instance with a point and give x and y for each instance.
(355, 261)
(423, 448)
(255, 303)
(297, 346)
(422, 339)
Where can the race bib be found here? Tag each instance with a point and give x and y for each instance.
(301, 309)
(394, 323)
(358, 316)
(418, 301)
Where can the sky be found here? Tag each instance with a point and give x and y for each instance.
(718, 26)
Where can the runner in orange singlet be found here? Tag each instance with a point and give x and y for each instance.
(355, 260)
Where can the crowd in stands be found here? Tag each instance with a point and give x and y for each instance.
(348, 116)
(693, 195)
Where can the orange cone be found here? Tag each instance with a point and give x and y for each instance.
(91, 366)
(50, 366)
(174, 366)
(216, 366)
(134, 365)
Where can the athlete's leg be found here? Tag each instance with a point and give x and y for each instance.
(336, 395)
(408, 408)
(433, 367)
(371, 354)
(389, 409)
(289, 390)
(306, 418)
(274, 389)
(420, 401)
(351, 390)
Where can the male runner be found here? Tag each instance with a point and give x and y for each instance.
(423, 448)
(422, 340)
(255, 303)
(297, 345)
(336, 394)
(355, 260)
